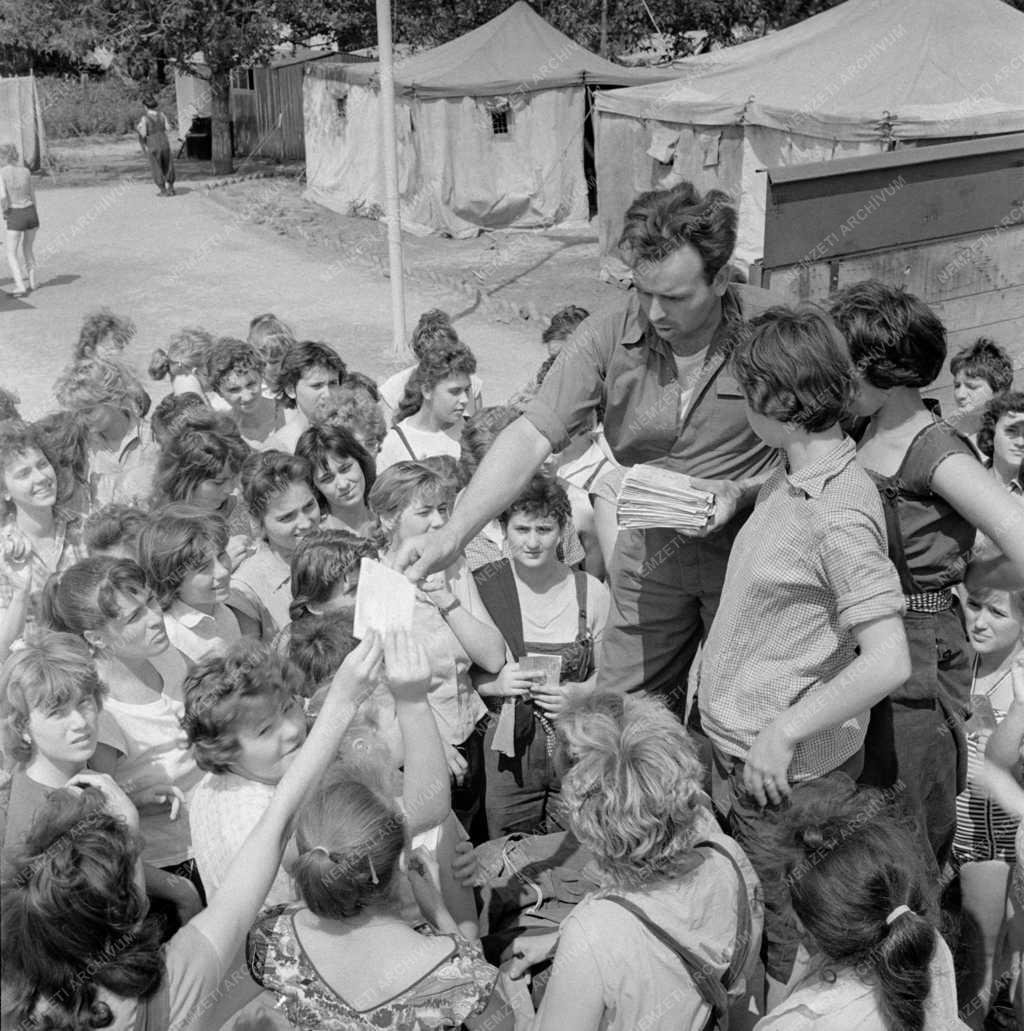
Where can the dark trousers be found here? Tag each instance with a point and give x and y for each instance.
(665, 590)
(752, 827)
(522, 794)
(468, 797)
(923, 730)
(161, 165)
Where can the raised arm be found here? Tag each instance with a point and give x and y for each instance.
(426, 795)
(970, 489)
(234, 906)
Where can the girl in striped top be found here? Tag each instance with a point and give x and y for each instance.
(983, 848)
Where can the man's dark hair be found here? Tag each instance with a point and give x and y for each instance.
(660, 222)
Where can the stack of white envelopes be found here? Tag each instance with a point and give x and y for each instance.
(654, 497)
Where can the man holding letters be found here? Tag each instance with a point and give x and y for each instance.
(658, 366)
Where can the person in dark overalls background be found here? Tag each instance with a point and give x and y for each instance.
(153, 128)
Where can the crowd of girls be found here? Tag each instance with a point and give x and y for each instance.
(221, 809)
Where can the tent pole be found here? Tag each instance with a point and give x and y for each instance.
(392, 215)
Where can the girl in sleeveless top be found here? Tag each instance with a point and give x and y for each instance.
(18, 203)
(429, 417)
(543, 609)
(935, 495)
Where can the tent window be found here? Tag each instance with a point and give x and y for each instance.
(341, 106)
(499, 122)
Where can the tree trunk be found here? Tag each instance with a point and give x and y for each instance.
(220, 111)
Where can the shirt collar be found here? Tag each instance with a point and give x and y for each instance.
(189, 616)
(814, 479)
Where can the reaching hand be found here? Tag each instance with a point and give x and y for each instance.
(457, 765)
(17, 552)
(436, 588)
(427, 553)
(361, 671)
(406, 665)
(528, 950)
(158, 795)
(240, 547)
(465, 866)
(116, 802)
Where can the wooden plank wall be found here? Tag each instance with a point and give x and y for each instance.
(243, 118)
(974, 282)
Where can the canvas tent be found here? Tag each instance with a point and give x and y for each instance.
(490, 129)
(863, 77)
(21, 119)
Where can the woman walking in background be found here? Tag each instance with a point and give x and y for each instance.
(18, 203)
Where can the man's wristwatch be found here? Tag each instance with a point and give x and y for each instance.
(450, 607)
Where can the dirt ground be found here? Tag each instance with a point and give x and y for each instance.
(216, 257)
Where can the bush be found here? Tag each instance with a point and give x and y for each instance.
(73, 106)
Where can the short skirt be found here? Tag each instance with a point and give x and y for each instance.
(20, 219)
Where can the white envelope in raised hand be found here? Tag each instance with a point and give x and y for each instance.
(384, 599)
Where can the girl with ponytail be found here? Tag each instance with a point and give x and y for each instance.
(430, 415)
(183, 362)
(351, 838)
(859, 889)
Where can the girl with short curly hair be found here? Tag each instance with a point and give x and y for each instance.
(184, 553)
(244, 719)
(632, 792)
(235, 373)
(430, 415)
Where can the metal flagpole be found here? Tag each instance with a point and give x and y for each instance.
(392, 215)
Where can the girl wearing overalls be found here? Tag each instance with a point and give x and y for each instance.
(152, 129)
(542, 608)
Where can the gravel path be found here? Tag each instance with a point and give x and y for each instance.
(172, 262)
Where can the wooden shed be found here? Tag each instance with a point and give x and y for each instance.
(266, 103)
(945, 221)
